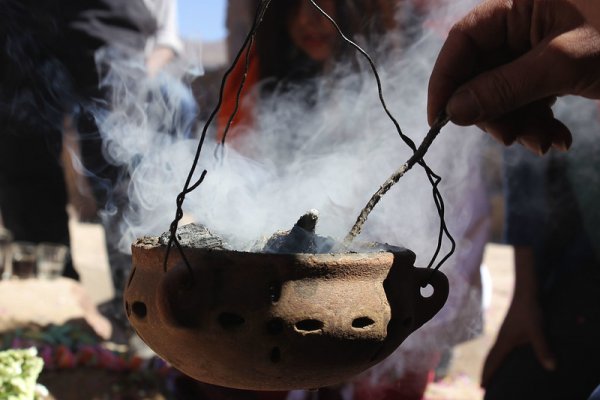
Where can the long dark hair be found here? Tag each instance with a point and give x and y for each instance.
(278, 55)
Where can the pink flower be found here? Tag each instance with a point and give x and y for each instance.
(64, 357)
(46, 354)
(87, 356)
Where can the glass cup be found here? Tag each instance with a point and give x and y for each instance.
(23, 259)
(51, 258)
(5, 243)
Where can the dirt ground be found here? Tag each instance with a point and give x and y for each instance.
(465, 369)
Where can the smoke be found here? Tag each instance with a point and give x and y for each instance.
(330, 153)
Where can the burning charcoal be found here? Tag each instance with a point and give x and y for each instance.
(301, 238)
(373, 247)
(194, 236)
(308, 221)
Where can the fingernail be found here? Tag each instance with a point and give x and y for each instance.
(569, 142)
(545, 147)
(563, 144)
(533, 145)
(463, 107)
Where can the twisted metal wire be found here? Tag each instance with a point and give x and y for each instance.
(416, 158)
(188, 187)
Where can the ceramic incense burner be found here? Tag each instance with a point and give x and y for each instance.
(277, 321)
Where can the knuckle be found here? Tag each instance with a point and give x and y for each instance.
(500, 90)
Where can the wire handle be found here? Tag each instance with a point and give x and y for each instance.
(416, 158)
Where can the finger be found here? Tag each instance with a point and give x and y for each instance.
(495, 358)
(483, 31)
(542, 350)
(533, 126)
(503, 89)
(455, 65)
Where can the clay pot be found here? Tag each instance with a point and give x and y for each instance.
(277, 321)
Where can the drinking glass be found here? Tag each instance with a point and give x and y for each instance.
(51, 259)
(23, 259)
(5, 241)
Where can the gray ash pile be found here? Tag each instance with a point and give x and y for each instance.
(195, 236)
(301, 238)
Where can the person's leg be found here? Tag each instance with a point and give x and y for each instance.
(109, 185)
(33, 195)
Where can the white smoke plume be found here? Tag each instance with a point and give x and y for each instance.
(331, 156)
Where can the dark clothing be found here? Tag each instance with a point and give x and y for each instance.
(47, 62)
(48, 69)
(572, 328)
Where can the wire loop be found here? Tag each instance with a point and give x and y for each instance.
(416, 158)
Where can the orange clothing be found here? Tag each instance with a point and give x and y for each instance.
(243, 117)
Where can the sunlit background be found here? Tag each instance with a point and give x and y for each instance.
(202, 19)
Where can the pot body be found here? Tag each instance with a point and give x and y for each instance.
(276, 321)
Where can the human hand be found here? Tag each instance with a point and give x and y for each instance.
(158, 59)
(504, 64)
(522, 325)
(523, 321)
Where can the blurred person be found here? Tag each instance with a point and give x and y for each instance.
(550, 333)
(48, 69)
(165, 45)
(294, 47)
(56, 70)
(548, 340)
(163, 51)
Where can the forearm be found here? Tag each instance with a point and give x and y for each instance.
(158, 59)
(526, 287)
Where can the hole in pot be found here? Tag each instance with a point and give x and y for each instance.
(406, 322)
(274, 292)
(275, 326)
(230, 320)
(362, 322)
(127, 309)
(427, 291)
(275, 355)
(309, 325)
(139, 309)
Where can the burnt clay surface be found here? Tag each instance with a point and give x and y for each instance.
(277, 321)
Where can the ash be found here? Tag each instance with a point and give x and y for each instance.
(301, 238)
(195, 236)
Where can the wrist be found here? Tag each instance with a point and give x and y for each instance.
(525, 287)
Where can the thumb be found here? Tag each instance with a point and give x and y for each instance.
(498, 91)
(542, 350)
